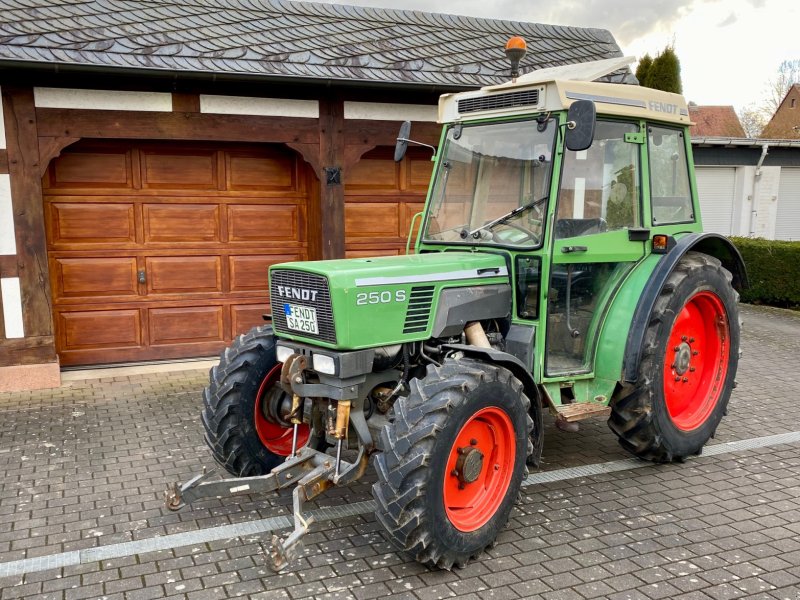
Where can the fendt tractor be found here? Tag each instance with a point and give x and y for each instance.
(560, 265)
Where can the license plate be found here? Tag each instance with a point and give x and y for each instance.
(301, 318)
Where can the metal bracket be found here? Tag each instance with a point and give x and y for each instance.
(333, 175)
(636, 137)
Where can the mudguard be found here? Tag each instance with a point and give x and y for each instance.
(516, 366)
(712, 244)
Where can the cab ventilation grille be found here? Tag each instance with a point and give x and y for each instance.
(498, 101)
(419, 309)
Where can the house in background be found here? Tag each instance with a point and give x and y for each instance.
(157, 156)
(714, 121)
(785, 123)
(747, 187)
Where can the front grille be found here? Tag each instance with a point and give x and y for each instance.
(419, 309)
(498, 101)
(300, 280)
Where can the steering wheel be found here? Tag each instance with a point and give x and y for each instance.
(513, 238)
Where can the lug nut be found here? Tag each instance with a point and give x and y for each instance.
(691, 340)
(473, 442)
(684, 338)
(695, 353)
(685, 379)
(677, 378)
(692, 369)
(454, 472)
(677, 348)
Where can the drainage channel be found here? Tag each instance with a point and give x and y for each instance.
(211, 534)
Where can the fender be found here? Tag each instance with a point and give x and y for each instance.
(712, 244)
(516, 366)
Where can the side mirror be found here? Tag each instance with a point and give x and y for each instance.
(581, 119)
(402, 141)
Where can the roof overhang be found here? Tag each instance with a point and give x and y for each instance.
(757, 143)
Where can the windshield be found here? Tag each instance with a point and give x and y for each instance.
(492, 184)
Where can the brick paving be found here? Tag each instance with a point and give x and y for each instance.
(86, 465)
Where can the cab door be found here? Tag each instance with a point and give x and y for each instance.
(596, 238)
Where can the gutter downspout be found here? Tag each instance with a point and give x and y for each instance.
(756, 179)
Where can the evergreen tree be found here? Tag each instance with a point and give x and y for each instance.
(643, 69)
(665, 72)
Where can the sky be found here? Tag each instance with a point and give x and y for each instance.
(729, 49)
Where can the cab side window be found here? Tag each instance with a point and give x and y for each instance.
(670, 192)
(600, 186)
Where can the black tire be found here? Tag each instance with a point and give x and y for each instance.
(417, 445)
(229, 405)
(640, 415)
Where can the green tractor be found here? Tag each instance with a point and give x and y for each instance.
(560, 265)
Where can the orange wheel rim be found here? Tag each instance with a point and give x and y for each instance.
(479, 469)
(696, 361)
(276, 438)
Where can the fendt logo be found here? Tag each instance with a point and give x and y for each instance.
(297, 293)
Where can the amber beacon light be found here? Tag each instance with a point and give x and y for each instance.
(515, 51)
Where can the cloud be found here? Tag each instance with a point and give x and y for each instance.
(626, 22)
(730, 20)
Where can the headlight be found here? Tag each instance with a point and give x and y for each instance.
(283, 352)
(324, 364)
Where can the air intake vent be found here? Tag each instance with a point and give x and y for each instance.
(419, 309)
(498, 101)
(302, 289)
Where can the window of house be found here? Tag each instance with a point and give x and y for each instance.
(670, 192)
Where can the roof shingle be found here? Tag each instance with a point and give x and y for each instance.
(281, 38)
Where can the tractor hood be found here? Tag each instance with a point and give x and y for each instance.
(367, 302)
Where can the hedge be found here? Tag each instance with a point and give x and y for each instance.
(773, 269)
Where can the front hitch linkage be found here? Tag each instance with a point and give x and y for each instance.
(312, 473)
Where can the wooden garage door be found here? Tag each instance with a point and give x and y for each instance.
(160, 250)
(381, 197)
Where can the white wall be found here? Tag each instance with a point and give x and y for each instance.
(102, 99)
(380, 111)
(754, 216)
(265, 107)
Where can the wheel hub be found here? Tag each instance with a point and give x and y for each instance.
(696, 364)
(469, 464)
(683, 355)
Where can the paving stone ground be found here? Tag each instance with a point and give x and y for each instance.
(86, 466)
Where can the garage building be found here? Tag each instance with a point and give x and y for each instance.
(156, 157)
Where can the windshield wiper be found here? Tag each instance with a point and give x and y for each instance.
(520, 209)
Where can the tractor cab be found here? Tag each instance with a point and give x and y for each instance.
(569, 181)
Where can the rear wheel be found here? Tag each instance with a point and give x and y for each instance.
(240, 404)
(453, 461)
(688, 365)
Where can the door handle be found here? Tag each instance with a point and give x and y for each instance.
(141, 276)
(568, 249)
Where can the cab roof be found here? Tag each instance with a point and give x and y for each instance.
(557, 88)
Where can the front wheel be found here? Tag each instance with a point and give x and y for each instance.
(688, 365)
(453, 461)
(239, 407)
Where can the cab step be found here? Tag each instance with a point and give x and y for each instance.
(577, 411)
